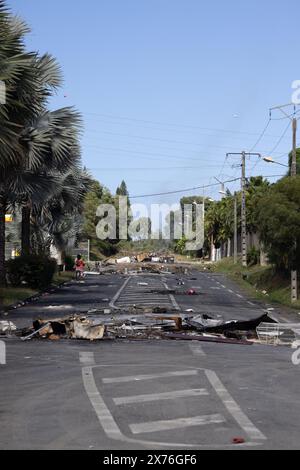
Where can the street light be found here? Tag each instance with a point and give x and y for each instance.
(271, 160)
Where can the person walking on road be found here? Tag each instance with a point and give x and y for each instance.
(79, 268)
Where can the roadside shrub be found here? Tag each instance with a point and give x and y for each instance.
(35, 271)
(253, 257)
(69, 263)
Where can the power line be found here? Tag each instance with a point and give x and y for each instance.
(155, 139)
(195, 188)
(180, 190)
(184, 126)
(156, 168)
(281, 139)
(261, 136)
(115, 149)
(275, 147)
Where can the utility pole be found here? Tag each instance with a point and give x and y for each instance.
(89, 250)
(294, 160)
(244, 215)
(235, 231)
(243, 155)
(294, 274)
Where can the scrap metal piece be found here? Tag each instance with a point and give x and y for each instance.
(178, 320)
(206, 339)
(38, 332)
(86, 330)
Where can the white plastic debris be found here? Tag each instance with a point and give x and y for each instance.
(7, 327)
(125, 260)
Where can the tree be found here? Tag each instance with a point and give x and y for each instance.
(20, 105)
(257, 188)
(291, 161)
(51, 149)
(96, 195)
(122, 190)
(278, 217)
(58, 220)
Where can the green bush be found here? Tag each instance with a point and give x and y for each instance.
(34, 271)
(69, 263)
(253, 257)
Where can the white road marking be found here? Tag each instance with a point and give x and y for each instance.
(161, 396)
(144, 302)
(137, 378)
(118, 294)
(87, 358)
(251, 303)
(166, 425)
(142, 295)
(112, 430)
(231, 291)
(107, 421)
(234, 408)
(172, 298)
(224, 287)
(197, 350)
(109, 425)
(240, 296)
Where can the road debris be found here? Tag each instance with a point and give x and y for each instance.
(156, 323)
(278, 333)
(238, 440)
(71, 327)
(85, 329)
(191, 292)
(207, 339)
(7, 327)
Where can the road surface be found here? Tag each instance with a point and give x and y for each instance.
(149, 394)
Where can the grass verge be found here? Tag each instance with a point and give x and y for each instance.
(12, 295)
(61, 278)
(263, 283)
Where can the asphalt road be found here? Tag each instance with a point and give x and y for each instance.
(150, 394)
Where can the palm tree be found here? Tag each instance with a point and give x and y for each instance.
(51, 149)
(33, 141)
(19, 105)
(58, 220)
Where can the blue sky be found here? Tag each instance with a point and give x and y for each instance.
(167, 87)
